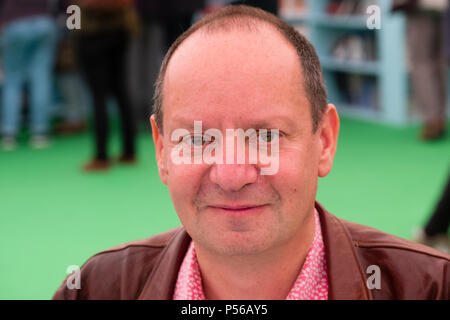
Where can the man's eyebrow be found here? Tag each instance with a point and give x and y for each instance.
(186, 123)
(272, 123)
(275, 122)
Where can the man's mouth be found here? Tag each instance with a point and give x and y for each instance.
(238, 209)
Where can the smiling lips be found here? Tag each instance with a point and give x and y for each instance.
(239, 209)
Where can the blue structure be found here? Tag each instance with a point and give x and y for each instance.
(388, 72)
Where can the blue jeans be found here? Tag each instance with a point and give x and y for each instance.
(28, 56)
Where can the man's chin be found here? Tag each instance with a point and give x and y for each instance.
(236, 243)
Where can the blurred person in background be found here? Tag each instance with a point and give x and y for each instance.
(106, 28)
(146, 53)
(447, 34)
(213, 5)
(178, 15)
(28, 42)
(161, 21)
(267, 5)
(435, 233)
(69, 84)
(425, 38)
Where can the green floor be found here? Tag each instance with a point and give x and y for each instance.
(52, 215)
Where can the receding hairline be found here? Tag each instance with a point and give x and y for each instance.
(248, 23)
(241, 23)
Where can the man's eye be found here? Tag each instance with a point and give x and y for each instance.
(197, 141)
(268, 135)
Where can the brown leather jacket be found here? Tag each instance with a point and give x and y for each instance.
(147, 269)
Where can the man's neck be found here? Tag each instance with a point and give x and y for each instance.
(265, 276)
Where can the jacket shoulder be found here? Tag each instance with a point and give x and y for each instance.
(159, 240)
(368, 237)
(119, 272)
(408, 270)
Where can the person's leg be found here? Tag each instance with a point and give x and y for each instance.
(144, 61)
(14, 65)
(96, 81)
(441, 69)
(440, 219)
(41, 75)
(71, 88)
(435, 233)
(95, 69)
(425, 50)
(154, 50)
(117, 71)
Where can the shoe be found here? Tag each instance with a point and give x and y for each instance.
(433, 130)
(125, 159)
(96, 165)
(9, 143)
(439, 242)
(39, 142)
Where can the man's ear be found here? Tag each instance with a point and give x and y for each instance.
(328, 135)
(159, 148)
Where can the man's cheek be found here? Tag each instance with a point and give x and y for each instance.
(184, 180)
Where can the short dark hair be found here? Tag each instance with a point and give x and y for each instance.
(235, 14)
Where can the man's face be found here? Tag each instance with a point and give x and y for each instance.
(231, 80)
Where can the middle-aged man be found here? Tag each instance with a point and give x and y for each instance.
(249, 233)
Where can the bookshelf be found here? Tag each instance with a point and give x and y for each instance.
(377, 82)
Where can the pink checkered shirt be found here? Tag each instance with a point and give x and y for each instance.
(311, 283)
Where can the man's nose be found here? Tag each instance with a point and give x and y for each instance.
(233, 177)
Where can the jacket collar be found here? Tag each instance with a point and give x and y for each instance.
(346, 279)
(161, 282)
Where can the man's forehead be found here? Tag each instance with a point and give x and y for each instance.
(231, 60)
(235, 73)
